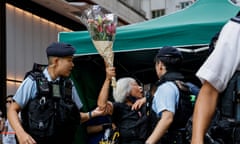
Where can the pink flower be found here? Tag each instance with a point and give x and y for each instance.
(101, 25)
(111, 29)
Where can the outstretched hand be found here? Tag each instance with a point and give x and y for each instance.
(98, 112)
(138, 103)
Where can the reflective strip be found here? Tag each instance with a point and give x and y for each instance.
(6, 133)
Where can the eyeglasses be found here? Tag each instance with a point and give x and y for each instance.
(9, 101)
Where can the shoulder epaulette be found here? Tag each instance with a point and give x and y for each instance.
(236, 19)
(36, 71)
(34, 75)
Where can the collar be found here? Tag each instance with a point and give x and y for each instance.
(170, 76)
(47, 75)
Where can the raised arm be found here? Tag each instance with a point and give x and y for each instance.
(104, 93)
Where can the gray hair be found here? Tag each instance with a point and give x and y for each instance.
(123, 89)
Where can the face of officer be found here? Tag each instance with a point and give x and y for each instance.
(160, 69)
(65, 66)
(60, 66)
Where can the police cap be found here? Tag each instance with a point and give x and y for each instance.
(59, 49)
(168, 51)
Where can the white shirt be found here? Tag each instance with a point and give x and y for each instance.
(224, 60)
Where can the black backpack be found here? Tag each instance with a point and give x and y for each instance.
(185, 107)
(177, 131)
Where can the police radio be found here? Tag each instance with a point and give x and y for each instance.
(43, 86)
(56, 90)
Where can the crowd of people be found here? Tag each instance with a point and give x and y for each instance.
(46, 108)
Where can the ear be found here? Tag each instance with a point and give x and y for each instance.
(159, 65)
(54, 61)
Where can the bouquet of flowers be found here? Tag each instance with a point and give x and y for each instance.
(102, 27)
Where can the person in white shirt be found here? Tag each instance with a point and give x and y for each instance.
(215, 74)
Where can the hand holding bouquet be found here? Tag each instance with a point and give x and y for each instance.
(102, 27)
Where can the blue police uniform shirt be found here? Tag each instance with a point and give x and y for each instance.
(165, 98)
(28, 88)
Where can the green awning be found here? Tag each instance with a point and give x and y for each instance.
(192, 26)
(135, 45)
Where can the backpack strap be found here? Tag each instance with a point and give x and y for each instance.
(149, 99)
(36, 68)
(66, 88)
(42, 83)
(181, 85)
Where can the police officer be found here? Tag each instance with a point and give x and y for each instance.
(167, 64)
(60, 64)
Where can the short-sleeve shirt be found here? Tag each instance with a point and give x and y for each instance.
(224, 60)
(165, 98)
(28, 88)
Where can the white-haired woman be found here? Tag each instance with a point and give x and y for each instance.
(125, 111)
